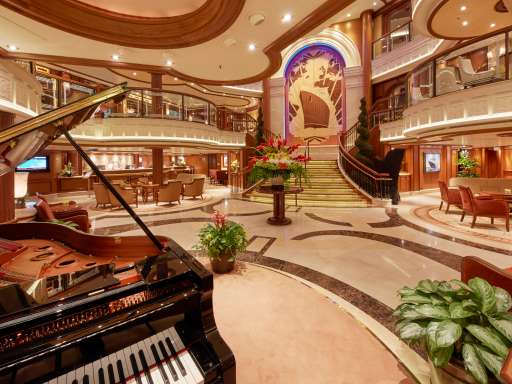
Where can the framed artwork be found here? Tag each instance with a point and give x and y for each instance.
(432, 162)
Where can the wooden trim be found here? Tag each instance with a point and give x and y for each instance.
(205, 23)
(272, 51)
(390, 7)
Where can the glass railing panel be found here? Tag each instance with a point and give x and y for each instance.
(421, 84)
(195, 110)
(172, 107)
(213, 115)
(392, 40)
(479, 63)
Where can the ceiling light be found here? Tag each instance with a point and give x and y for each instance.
(168, 63)
(348, 15)
(115, 57)
(374, 3)
(463, 8)
(286, 18)
(175, 78)
(134, 73)
(12, 47)
(492, 25)
(252, 47)
(465, 23)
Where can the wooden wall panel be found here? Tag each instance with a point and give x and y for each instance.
(199, 162)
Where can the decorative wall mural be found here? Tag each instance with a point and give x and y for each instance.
(315, 91)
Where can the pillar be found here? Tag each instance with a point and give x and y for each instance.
(158, 166)
(156, 83)
(366, 55)
(274, 109)
(416, 168)
(266, 105)
(6, 181)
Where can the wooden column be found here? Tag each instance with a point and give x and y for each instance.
(416, 168)
(266, 106)
(6, 181)
(366, 55)
(156, 82)
(158, 166)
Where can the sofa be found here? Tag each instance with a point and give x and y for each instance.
(481, 184)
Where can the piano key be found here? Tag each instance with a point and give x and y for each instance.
(141, 374)
(79, 375)
(180, 358)
(121, 371)
(112, 359)
(169, 366)
(101, 376)
(160, 362)
(145, 367)
(173, 366)
(61, 379)
(174, 352)
(187, 358)
(111, 375)
(75, 381)
(127, 363)
(135, 368)
(70, 377)
(86, 380)
(104, 370)
(88, 374)
(95, 370)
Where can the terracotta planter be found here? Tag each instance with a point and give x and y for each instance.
(454, 373)
(222, 264)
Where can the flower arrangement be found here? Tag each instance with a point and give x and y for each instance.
(222, 240)
(276, 159)
(67, 170)
(235, 166)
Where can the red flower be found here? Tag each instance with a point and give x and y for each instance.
(219, 219)
(252, 161)
(271, 141)
(264, 158)
(260, 147)
(283, 166)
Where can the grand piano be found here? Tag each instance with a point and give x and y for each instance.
(78, 308)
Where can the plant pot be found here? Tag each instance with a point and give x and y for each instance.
(222, 264)
(454, 373)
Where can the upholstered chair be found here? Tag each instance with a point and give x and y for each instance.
(194, 189)
(185, 178)
(450, 196)
(170, 192)
(129, 195)
(101, 194)
(45, 213)
(485, 207)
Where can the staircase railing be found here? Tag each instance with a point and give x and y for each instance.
(377, 185)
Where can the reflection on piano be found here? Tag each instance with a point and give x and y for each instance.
(80, 308)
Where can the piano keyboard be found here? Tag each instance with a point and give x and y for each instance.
(159, 359)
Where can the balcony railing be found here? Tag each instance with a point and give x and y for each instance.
(162, 104)
(392, 40)
(388, 109)
(479, 61)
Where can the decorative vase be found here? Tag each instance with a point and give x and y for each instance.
(278, 182)
(222, 264)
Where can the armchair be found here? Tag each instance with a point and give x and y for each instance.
(450, 196)
(170, 192)
(79, 217)
(129, 195)
(483, 207)
(101, 194)
(194, 189)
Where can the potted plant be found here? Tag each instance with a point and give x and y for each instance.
(467, 165)
(67, 170)
(222, 240)
(275, 160)
(459, 325)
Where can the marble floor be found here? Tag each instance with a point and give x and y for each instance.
(357, 258)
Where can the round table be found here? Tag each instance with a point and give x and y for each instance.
(279, 194)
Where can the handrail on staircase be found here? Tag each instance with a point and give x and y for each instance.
(375, 184)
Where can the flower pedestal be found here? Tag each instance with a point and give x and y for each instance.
(279, 195)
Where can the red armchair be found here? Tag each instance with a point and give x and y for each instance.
(450, 196)
(483, 207)
(45, 213)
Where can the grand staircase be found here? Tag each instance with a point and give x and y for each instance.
(328, 188)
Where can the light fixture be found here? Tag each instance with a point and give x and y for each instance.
(287, 17)
(492, 25)
(175, 78)
(134, 73)
(348, 14)
(463, 8)
(115, 57)
(465, 23)
(252, 47)
(12, 47)
(168, 62)
(374, 3)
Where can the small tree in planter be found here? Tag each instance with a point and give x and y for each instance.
(467, 165)
(222, 240)
(458, 323)
(364, 148)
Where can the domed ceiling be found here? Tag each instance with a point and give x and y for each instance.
(154, 8)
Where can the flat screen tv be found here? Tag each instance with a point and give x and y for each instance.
(35, 164)
(432, 162)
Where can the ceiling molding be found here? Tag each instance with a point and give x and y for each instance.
(201, 25)
(273, 51)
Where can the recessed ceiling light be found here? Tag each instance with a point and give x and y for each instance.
(463, 8)
(115, 57)
(465, 23)
(492, 25)
(374, 3)
(252, 47)
(168, 62)
(12, 47)
(134, 73)
(348, 15)
(175, 78)
(286, 18)
(192, 84)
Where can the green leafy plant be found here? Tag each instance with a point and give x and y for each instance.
(453, 320)
(467, 165)
(69, 224)
(222, 238)
(67, 170)
(364, 148)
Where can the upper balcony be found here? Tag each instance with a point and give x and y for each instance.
(465, 88)
(164, 118)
